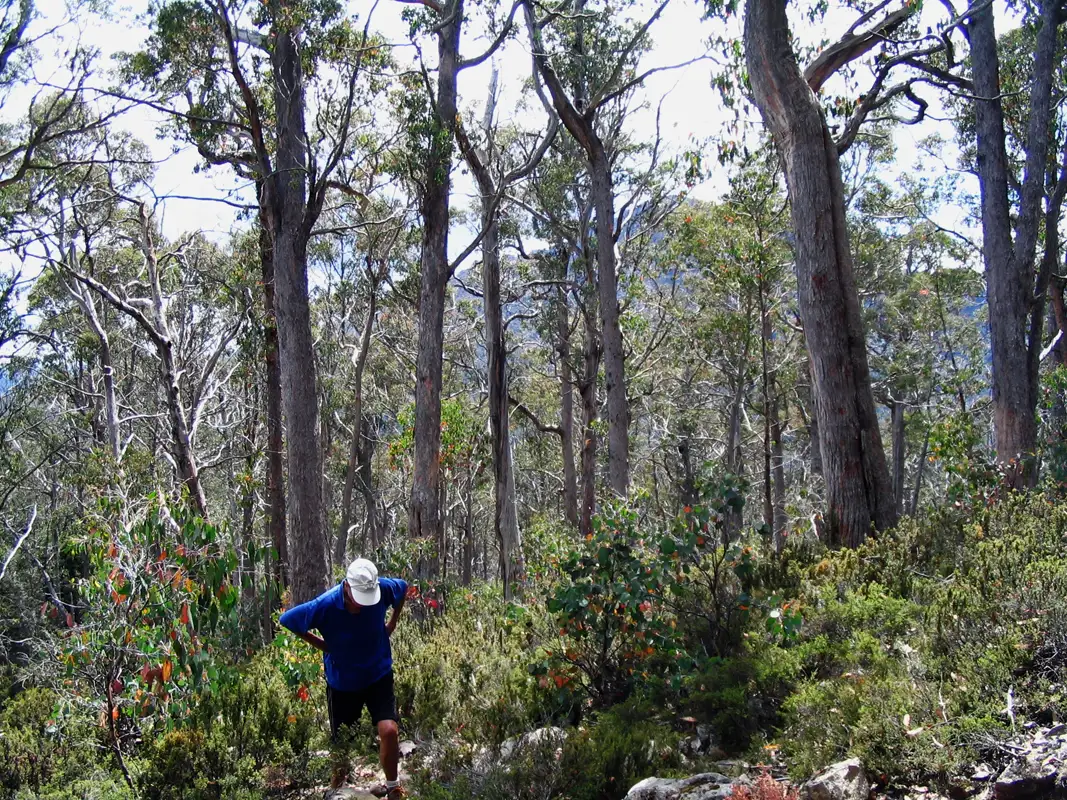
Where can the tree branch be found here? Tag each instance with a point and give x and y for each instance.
(852, 46)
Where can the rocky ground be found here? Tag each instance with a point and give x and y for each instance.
(1033, 766)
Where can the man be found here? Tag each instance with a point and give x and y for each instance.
(359, 662)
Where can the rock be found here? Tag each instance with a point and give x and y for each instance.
(348, 794)
(705, 786)
(542, 737)
(1020, 780)
(842, 781)
(407, 748)
(982, 772)
(704, 733)
(1056, 730)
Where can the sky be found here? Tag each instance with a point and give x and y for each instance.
(690, 108)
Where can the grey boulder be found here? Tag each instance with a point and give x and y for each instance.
(348, 794)
(844, 780)
(705, 786)
(1021, 779)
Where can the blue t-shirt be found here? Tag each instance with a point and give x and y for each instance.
(357, 645)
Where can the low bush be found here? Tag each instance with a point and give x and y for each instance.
(465, 672)
(599, 760)
(912, 643)
(47, 753)
(251, 720)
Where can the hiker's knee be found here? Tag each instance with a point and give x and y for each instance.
(388, 730)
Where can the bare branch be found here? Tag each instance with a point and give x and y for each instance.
(18, 542)
(499, 40)
(852, 46)
(600, 97)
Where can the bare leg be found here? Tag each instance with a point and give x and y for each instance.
(389, 734)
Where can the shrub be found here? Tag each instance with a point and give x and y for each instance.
(251, 719)
(46, 752)
(610, 614)
(912, 641)
(764, 788)
(466, 672)
(621, 747)
(597, 761)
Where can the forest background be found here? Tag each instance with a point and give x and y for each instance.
(696, 370)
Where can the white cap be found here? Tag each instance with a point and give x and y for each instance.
(362, 579)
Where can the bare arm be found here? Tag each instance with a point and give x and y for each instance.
(390, 626)
(316, 641)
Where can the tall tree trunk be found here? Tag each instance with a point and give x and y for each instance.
(468, 532)
(164, 341)
(781, 519)
(611, 333)
(424, 516)
(773, 472)
(275, 465)
(372, 529)
(247, 582)
(441, 546)
(359, 364)
(897, 426)
(858, 488)
(811, 419)
(566, 405)
(87, 303)
(326, 447)
(183, 448)
(587, 388)
(505, 516)
(291, 227)
(1009, 264)
(580, 123)
(505, 513)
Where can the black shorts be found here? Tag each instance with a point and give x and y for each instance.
(347, 707)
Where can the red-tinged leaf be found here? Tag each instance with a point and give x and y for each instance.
(185, 614)
(70, 620)
(146, 672)
(168, 669)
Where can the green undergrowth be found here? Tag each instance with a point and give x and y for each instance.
(902, 652)
(911, 643)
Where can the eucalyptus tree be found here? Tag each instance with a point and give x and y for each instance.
(235, 79)
(1011, 230)
(858, 485)
(489, 163)
(588, 61)
(559, 207)
(923, 297)
(732, 348)
(432, 114)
